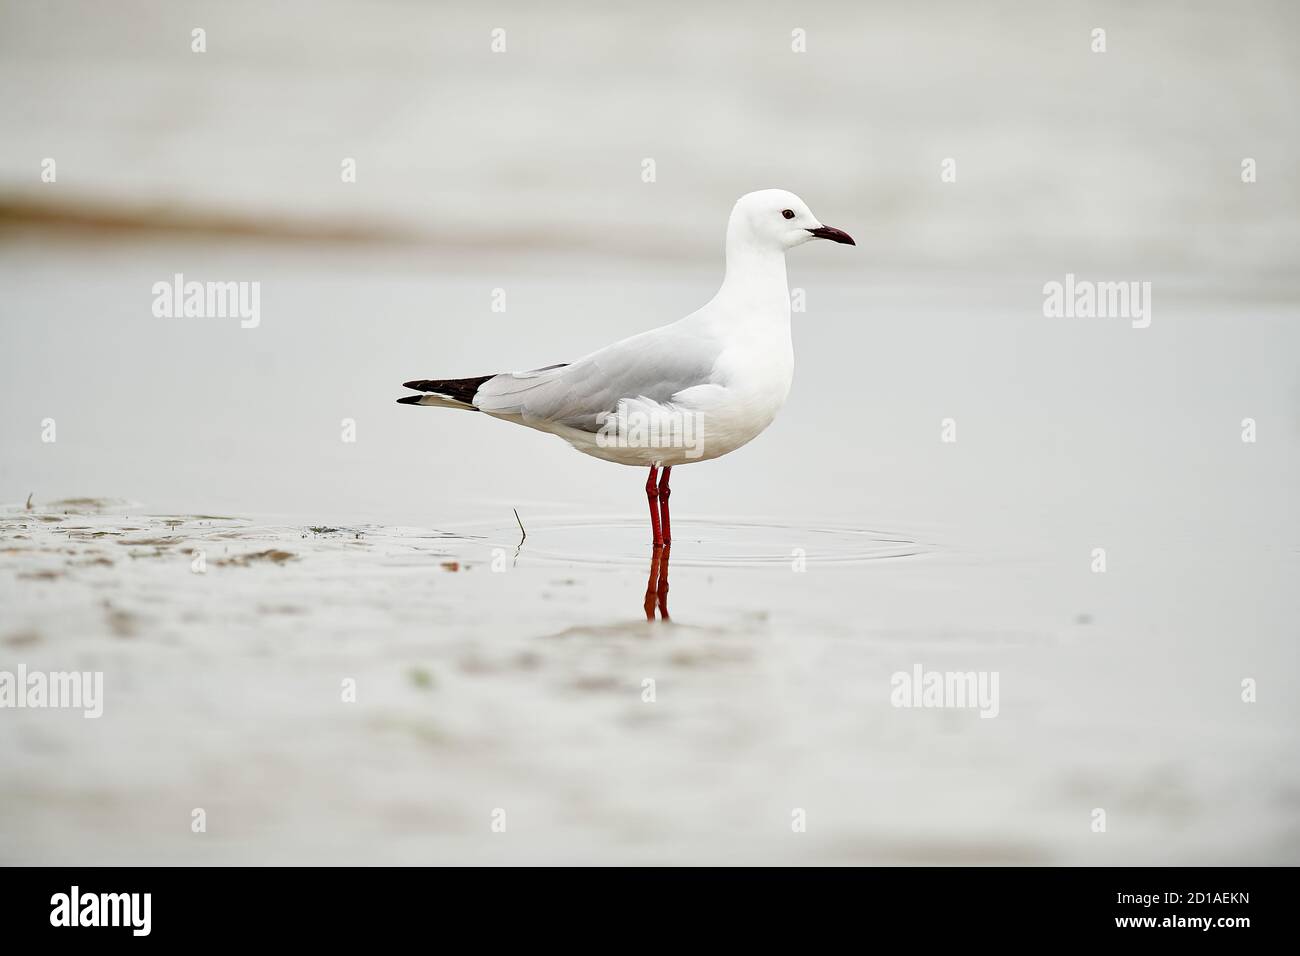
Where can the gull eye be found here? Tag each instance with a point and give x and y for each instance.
(788, 213)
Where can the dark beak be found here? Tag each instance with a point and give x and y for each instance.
(833, 234)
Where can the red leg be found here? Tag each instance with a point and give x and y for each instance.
(662, 589)
(652, 585)
(664, 492)
(652, 493)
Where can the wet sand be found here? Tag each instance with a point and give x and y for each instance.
(492, 675)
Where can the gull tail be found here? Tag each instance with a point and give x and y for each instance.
(446, 392)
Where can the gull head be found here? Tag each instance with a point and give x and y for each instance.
(776, 219)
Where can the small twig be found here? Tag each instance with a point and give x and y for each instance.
(521, 526)
(29, 501)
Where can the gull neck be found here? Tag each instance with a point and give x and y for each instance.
(755, 278)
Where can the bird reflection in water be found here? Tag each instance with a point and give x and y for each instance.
(656, 589)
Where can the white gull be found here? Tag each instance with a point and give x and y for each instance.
(690, 391)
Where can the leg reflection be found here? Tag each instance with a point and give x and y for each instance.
(656, 589)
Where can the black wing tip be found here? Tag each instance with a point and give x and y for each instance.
(410, 400)
(458, 389)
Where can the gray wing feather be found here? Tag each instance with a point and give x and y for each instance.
(655, 366)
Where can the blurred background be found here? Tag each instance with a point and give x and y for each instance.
(521, 171)
(1128, 158)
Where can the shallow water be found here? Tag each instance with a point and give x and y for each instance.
(844, 546)
(493, 678)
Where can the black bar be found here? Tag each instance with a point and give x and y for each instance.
(333, 906)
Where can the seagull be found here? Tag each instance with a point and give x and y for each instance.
(691, 391)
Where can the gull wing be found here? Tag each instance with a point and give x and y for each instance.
(651, 367)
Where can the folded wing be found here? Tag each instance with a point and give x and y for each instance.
(650, 368)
